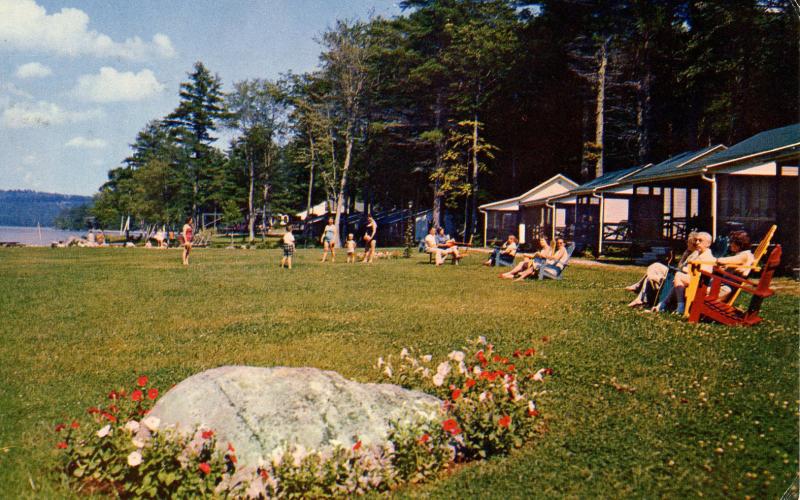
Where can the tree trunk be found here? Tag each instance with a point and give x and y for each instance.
(599, 113)
(310, 175)
(343, 185)
(267, 170)
(474, 211)
(439, 150)
(250, 195)
(645, 107)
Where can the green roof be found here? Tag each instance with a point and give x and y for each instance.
(604, 180)
(675, 165)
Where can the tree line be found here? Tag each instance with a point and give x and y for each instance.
(459, 102)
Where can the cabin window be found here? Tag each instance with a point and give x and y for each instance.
(667, 201)
(749, 197)
(642, 190)
(656, 191)
(694, 202)
(679, 202)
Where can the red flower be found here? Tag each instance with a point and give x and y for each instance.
(142, 381)
(470, 383)
(152, 393)
(530, 351)
(110, 417)
(424, 439)
(207, 434)
(456, 394)
(136, 395)
(92, 411)
(62, 445)
(113, 409)
(517, 354)
(113, 395)
(533, 413)
(204, 468)
(60, 427)
(232, 458)
(230, 448)
(357, 446)
(74, 424)
(511, 368)
(497, 358)
(451, 426)
(480, 357)
(504, 421)
(264, 474)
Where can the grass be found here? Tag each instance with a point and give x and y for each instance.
(704, 409)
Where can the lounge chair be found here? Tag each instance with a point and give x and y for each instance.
(553, 272)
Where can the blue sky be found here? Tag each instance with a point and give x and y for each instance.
(79, 79)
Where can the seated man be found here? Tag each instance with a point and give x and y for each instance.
(683, 278)
(504, 256)
(531, 260)
(557, 257)
(440, 254)
(647, 287)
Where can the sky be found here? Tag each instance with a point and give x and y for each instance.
(79, 78)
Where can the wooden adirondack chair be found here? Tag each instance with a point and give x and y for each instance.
(553, 272)
(708, 305)
(694, 283)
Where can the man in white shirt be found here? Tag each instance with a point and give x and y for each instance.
(439, 254)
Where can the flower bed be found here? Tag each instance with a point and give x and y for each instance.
(489, 408)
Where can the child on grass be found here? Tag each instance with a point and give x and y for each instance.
(288, 248)
(351, 249)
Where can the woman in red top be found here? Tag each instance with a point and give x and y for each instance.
(188, 232)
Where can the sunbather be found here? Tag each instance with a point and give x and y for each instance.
(647, 287)
(504, 256)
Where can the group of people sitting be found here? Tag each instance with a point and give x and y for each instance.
(698, 249)
(533, 263)
(438, 244)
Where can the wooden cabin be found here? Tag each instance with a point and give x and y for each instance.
(522, 215)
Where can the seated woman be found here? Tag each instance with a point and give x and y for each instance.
(432, 247)
(647, 288)
(504, 256)
(557, 257)
(682, 278)
(535, 259)
(740, 260)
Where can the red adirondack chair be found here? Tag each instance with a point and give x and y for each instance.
(707, 303)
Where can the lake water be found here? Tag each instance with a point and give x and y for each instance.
(31, 235)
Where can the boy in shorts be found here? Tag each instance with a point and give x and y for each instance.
(288, 248)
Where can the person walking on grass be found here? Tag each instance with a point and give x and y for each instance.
(188, 233)
(288, 248)
(328, 241)
(370, 243)
(351, 249)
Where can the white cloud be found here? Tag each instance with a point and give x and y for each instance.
(26, 25)
(43, 114)
(111, 85)
(33, 70)
(84, 143)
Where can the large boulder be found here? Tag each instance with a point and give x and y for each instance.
(262, 409)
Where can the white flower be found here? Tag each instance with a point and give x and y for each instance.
(482, 397)
(380, 361)
(456, 356)
(388, 371)
(404, 353)
(132, 426)
(438, 380)
(105, 431)
(539, 377)
(151, 423)
(443, 369)
(462, 368)
(482, 340)
(134, 459)
(531, 406)
(426, 358)
(425, 372)
(476, 370)
(137, 442)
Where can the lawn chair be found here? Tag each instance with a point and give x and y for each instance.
(695, 276)
(553, 272)
(708, 305)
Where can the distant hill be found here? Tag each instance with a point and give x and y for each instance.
(26, 208)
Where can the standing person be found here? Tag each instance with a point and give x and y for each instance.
(288, 248)
(351, 249)
(370, 243)
(328, 241)
(188, 233)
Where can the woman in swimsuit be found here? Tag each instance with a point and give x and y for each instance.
(328, 240)
(188, 232)
(370, 243)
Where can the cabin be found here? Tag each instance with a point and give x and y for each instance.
(526, 215)
(750, 185)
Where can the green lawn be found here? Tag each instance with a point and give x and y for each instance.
(711, 410)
